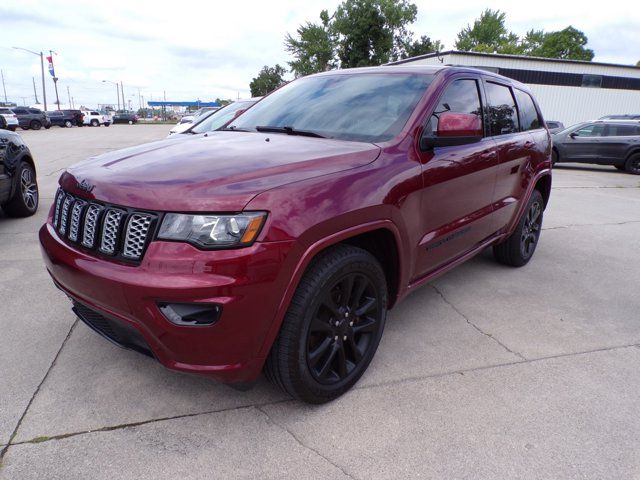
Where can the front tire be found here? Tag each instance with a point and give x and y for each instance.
(520, 246)
(332, 328)
(25, 200)
(68, 124)
(632, 165)
(95, 123)
(35, 125)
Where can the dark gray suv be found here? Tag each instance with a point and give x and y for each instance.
(31, 118)
(608, 142)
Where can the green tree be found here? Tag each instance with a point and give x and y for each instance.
(267, 80)
(422, 46)
(372, 32)
(569, 43)
(638, 63)
(314, 47)
(488, 34)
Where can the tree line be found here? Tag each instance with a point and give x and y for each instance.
(362, 33)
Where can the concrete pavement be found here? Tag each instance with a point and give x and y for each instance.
(489, 372)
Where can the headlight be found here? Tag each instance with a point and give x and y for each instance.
(213, 231)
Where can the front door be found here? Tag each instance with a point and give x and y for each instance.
(583, 144)
(456, 208)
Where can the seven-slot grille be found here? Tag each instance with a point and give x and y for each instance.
(111, 230)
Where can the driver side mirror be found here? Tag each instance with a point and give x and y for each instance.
(454, 129)
(574, 134)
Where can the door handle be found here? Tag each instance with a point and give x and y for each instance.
(528, 144)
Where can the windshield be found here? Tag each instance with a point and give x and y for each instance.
(370, 107)
(219, 118)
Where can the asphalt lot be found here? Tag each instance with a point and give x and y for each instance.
(489, 372)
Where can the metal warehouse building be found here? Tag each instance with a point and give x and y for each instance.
(570, 91)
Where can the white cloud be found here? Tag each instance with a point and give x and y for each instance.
(204, 49)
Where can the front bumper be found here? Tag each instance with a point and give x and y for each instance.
(247, 283)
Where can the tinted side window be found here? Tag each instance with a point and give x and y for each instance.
(529, 119)
(621, 130)
(503, 114)
(19, 111)
(34, 110)
(462, 96)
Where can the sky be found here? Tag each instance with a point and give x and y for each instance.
(212, 49)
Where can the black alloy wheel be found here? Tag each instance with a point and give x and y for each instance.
(632, 164)
(517, 249)
(35, 125)
(343, 328)
(332, 327)
(531, 229)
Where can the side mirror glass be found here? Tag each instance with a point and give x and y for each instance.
(454, 129)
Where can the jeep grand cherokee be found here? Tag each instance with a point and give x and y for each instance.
(281, 242)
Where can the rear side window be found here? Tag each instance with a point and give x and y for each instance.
(462, 96)
(621, 130)
(503, 115)
(529, 118)
(20, 111)
(34, 110)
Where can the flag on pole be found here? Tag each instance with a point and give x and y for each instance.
(50, 60)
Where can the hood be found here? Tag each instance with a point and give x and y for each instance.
(215, 172)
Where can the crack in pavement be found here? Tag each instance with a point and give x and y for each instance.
(455, 309)
(35, 393)
(303, 445)
(420, 378)
(43, 439)
(592, 225)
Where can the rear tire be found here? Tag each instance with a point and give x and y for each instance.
(25, 200)
(332, 328)
(554, 158)
(520, 246)
(68, 124)
(632, 165)
(95, 123)
(35, 125)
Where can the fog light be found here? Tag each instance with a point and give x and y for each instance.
(191, 313)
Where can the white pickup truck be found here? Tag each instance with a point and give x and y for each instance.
(95, 119)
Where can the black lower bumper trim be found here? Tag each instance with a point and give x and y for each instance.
(114, 330)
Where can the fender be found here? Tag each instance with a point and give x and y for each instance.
(523, 204)
(306, 258)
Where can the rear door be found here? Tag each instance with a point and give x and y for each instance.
(456, 208)
(616, 140)
(515, 150)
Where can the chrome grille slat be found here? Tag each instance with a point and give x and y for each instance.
(56, 211)
(120, 232)
(136, 236)
(110, 231)
(64, 215)
(76, 215)
(90, 225)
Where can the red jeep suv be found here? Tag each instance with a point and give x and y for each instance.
(280, 242)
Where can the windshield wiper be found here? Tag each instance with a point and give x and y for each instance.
(289, 131)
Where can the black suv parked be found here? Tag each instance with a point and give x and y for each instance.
(31, 118)
(125, 117)
(18, 184)
(609, 142)
(66, 118)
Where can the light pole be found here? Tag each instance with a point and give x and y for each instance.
(124, 105)
(44, 90)
(117, 90)
(55, 79)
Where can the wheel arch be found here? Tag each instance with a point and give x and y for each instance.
(378, 238)
(543, 185)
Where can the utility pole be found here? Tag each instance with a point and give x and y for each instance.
(55, 79)
(3, 87)
(124, 105)
(44, 90)
(69, 95)
(117, 91)
(73, 103)
(34, 91)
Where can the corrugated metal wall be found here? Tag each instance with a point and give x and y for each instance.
(567, 104)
